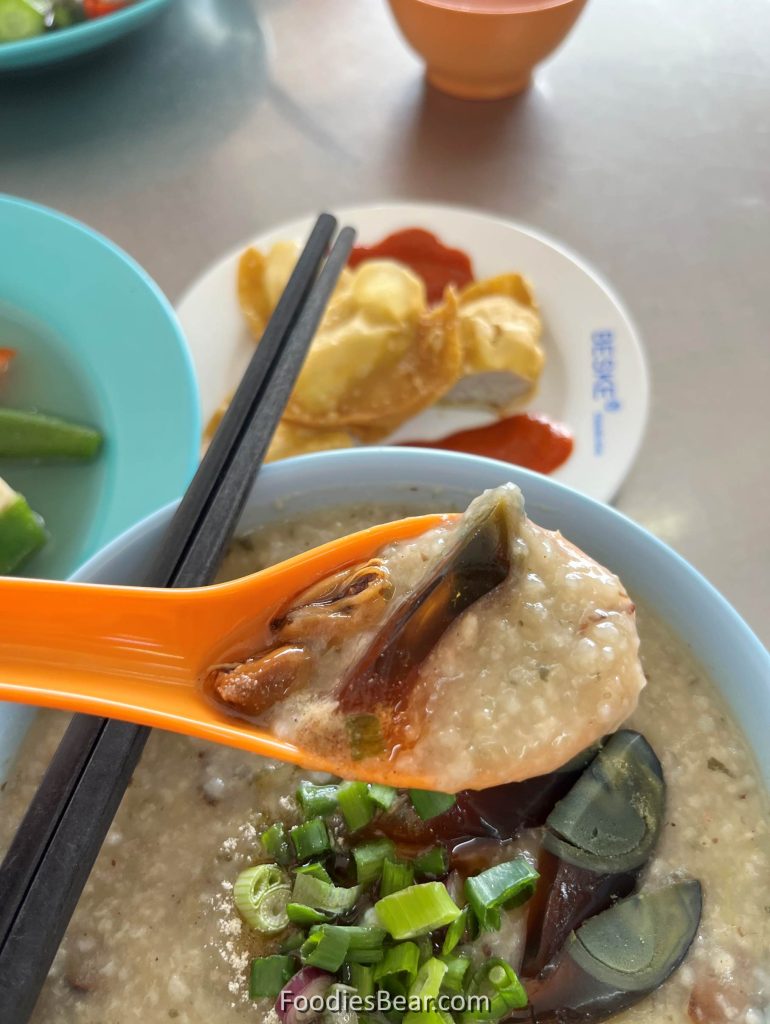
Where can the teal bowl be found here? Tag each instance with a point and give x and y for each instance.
(54, 47)
(97, 342)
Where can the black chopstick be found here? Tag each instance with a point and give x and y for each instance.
(54, 849)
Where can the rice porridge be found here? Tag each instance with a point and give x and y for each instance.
(156, 936)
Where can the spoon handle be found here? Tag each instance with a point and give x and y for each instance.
(57, 635)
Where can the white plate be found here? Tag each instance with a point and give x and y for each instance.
(595, 380)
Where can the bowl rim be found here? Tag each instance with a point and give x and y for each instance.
(85, 32)
(316, 474)
(360, 455)
(187, 379)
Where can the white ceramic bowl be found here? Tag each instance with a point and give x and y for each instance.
(728, 650)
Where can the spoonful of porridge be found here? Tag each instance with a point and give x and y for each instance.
(438, 652)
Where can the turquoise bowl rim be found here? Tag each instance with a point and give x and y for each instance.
(111, 520)
(721, 641)
(70, 42)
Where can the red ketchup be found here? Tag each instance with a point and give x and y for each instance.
(534, 442)
(422, 252)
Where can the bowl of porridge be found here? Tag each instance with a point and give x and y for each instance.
(631, 884)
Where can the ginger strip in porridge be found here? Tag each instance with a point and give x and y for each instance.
(492, 647)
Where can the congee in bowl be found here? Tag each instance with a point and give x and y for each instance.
(630, 882)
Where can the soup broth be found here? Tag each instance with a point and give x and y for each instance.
(43, 377)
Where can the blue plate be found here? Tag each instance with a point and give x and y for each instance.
(97, 342)
(71, 42)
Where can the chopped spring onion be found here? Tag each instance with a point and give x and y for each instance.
(429, 805)
(455, 932)
(498, 981)
(504, 885)
(261, 894)
(316, 870)
(356, 805)
(416, 910)
(396, 874)
(432, 864)
(425, 946)
(320, 895)
(456, 970)
(364, 944)
(427, 985)
(370, 858)
(310, 839)
(268, 975)
(275, 843)
(292, 942)
(361, 978)
(317, 800)
(364, 736)
(401, 961)
(298, 913)
(325, 949)
(383, 796)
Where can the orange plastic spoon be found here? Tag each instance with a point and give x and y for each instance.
(138, 654)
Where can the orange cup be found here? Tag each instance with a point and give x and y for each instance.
(484, 49)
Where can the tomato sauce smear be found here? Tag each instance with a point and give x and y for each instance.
(526, 439)
(425, 254)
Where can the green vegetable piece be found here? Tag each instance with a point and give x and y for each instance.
(361, 977)
(292, 942)
(456, 970)
(316, 869)
(427, 985)
(31, 435)
(396, 875)
(324, 948)
(268, 975)
(416, 910)
(298, 913)
(365, 945)
(356, 804)
(261, 894)
(383, 796)
(455, 932)
(401, 961)
(19, 19)
(276, 844)
(429, 805)
(504, 885)
(310, 839)
(497, 981)
(317, 800)
(320, 895)
(370, 859)
(21, 530)
(434, 863)
(364, 736)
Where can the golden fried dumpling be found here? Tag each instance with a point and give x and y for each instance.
(290, 439)
(500, 330)
(379, 353)
(262, 278)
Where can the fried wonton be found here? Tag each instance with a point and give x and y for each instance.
(262, 278)
(379, 355)
(291, 439)
(500, 330)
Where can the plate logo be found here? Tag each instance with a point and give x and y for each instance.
(604, 386)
